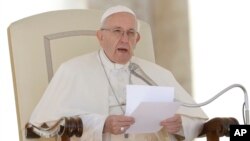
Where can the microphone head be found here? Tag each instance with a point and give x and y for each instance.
(132, 67)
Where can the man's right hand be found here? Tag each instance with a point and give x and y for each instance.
(117, 124)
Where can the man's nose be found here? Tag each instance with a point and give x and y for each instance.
(125, 37)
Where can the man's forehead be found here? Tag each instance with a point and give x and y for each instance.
(121, 20)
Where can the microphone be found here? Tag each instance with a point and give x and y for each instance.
(136, 70)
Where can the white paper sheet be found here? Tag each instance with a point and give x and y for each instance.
(144, 93)
(148, 116)
(149, 105)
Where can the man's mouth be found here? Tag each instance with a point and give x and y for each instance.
(122, 50)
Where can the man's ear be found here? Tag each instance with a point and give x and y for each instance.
(99, 35)
(138, 37)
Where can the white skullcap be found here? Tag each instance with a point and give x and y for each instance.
(116, 9)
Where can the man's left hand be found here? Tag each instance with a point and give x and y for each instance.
(173, 124)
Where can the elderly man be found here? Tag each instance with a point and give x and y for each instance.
(92, 87)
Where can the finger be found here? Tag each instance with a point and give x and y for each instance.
(120, 130)
(125, 121)
(173, 128)
(126, 118)
(123, 129)
(173, 131)
(115, 122)
(171, 121)
(170, 124)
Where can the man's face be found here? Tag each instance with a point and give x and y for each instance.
(118, 37)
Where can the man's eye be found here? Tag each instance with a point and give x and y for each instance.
(131, 33)
(117, 31)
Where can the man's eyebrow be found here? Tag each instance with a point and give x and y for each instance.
(118, 27)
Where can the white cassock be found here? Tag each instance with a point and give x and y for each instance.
(86, 86)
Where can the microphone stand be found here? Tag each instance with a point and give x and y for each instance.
(246, 104)
(138, 72)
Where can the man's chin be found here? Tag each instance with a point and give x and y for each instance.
(123, 61)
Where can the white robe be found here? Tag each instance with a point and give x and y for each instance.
(80, 87)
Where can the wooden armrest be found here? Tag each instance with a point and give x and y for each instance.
(213, 129)
(65, 127)
(218, 127)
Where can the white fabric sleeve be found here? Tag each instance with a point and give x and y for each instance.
(192, 127)
(92, 127)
